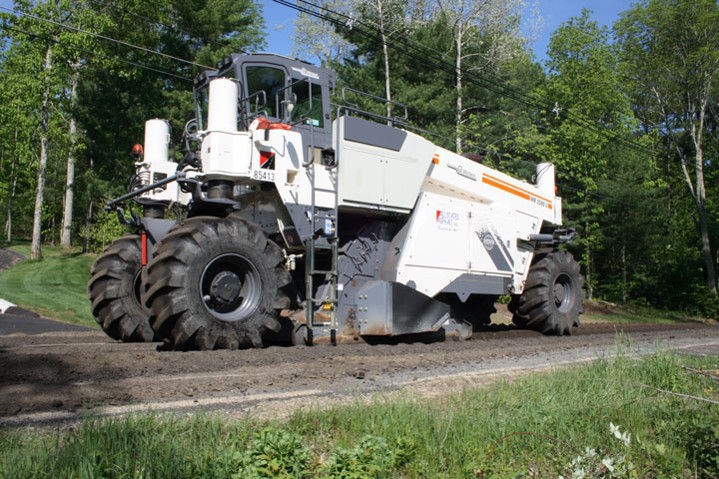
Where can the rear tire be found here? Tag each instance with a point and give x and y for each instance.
(114, 291)
(216, 284)
(552, 298)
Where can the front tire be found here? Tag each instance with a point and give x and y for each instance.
(114, 291)
(552, 298)
(214, 284)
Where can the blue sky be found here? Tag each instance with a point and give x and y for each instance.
(279, 20)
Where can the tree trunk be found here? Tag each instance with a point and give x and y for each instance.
(385, 52)
(624, 271)
(458, 86)
(35, 250)
(11, 185)
(701, 201)
(10, 197)
(65, 237)
(88, 216)
(588, 276)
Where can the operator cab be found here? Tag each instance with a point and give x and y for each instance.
(268, 85)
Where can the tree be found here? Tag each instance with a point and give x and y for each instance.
(669, 48)
(65, 237)
(579, 136)
(485, 33)
(314, 38)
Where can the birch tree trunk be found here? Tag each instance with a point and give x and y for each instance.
(385, 52)
(13, 182)
(36, 249)
(701, 201)
(10, 198)
(458, 86)
(65, 237)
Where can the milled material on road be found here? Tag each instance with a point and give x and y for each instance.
(55, 377)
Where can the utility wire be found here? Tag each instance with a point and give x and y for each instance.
(424, 54)
(104, 37)
(129, 62)
(509, 92)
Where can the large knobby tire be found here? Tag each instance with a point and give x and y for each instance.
(215, 283)
(114, 291)
(552, 298)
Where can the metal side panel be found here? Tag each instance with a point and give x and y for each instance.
(392, 309)
(380, 167)
(454, 245)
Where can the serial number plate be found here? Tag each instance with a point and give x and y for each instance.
(263, 175)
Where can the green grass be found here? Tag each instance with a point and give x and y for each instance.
(54, 286)
(534, 426)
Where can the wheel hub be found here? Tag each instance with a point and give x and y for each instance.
(563, 291)
(225, 287)
(230, 287)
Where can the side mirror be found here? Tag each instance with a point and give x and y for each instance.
(290, 104)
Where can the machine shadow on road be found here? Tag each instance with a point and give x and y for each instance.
(48, 382)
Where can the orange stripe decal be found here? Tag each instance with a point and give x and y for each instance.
(516, 190)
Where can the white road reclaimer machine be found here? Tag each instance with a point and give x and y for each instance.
(302, 221)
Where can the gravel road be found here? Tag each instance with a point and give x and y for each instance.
(58, 377)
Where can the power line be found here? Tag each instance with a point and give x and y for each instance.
(129, 62)
(104, 37)
(424, 51)
(424, 54)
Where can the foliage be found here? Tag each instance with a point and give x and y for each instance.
(627, 115)
(119, 88)
(372, 457)
(105, 229)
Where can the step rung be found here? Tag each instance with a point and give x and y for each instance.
(323, 301)
(322, 271)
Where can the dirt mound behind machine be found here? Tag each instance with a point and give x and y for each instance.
(306, 222)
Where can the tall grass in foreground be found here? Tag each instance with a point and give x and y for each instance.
(587, 421)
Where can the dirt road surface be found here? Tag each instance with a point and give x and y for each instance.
(57, 378)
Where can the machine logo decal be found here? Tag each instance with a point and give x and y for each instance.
(463, 172)
(447, 220)
(489, 242)
(305, 72)
(516, 191)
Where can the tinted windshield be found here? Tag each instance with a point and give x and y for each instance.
(270, 80)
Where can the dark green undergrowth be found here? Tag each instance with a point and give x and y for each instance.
(589, 421)
(636, 313)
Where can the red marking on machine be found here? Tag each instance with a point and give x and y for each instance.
(143, 240)
(267, 159)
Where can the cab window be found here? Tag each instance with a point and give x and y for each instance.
(303, 111)
(201, 102)
(269, 79)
